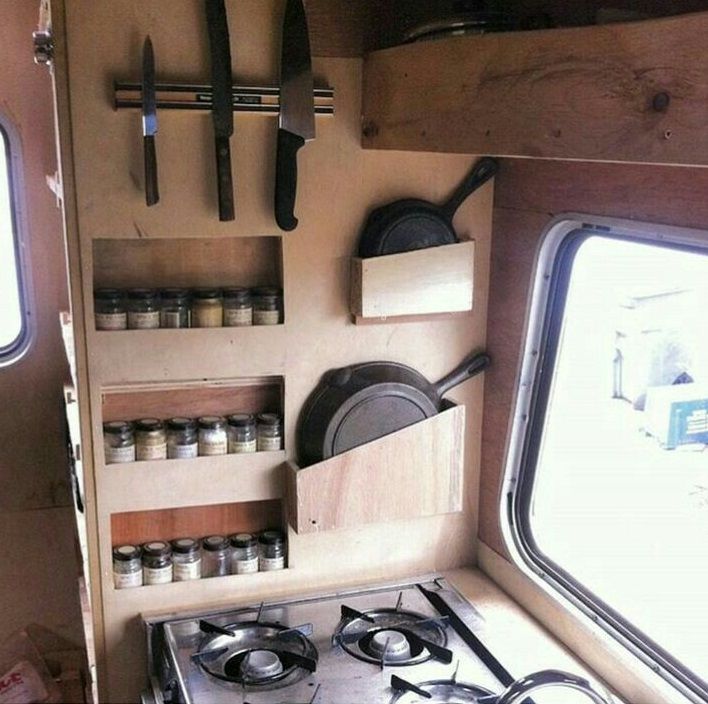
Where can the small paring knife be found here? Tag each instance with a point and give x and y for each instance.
(149, 107)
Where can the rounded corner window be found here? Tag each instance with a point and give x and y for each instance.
(16, 320)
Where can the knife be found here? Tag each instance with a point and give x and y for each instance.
(149, 104)
(297, 110)
(222, 108)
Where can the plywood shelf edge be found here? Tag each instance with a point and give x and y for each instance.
(423, 282)
(163, 484)
(414, 472)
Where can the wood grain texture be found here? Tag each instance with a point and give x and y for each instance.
(242, 261)
(136, 527)
(584, 93)
(411, 473)
(528, 194)
(193, 400)
(433, 280)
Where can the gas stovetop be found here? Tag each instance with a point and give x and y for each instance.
(404, 644)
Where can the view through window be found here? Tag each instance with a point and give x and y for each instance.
(620, 494)
(11, 316)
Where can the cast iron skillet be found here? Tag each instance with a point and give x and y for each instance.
(354, 405)
(409, 224)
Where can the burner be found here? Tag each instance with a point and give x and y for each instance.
(256, 654)
(391, 636)
(439, 692)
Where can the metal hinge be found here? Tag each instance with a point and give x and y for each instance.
(42, 38)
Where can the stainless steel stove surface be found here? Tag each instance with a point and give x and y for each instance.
(401, 643)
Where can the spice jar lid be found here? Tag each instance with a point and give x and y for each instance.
(182, 424)
(174, 292)
(267, 291)
(203, 293)
(125, 553)
(117, 427)
(108, 294)
(241, 420)
(237, 292)
(215, 542)
(269, 418)
(271, 537)
(142, 293)
(157, 548)
(149, 425)
(243, 540)
(212, 422)
(185, 546)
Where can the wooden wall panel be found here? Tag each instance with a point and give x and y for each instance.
(528, 194)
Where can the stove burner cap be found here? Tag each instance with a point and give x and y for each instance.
(261, 664)
(394, 644)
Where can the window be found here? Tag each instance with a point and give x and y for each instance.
(607, 472)
(15, 330)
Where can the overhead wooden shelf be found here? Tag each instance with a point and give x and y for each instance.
(413, 472)
(634, 92)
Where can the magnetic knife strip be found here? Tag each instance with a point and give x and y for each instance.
(194, 96)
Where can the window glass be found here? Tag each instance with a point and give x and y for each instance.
(616, 495)
(12, 326)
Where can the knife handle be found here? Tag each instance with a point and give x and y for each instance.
(152, 194)
(286, 178)
(225, 183)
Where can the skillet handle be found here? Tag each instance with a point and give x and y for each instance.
(481, 172)
(469, 367)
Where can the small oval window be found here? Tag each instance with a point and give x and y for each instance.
(14, 313)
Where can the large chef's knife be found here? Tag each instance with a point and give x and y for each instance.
(297, 110)
(222, 108)
(149, 105)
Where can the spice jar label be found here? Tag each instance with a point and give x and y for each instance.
(182, 452)
(266, 317)
(268, 444)
(184, 571)
(213, 447)
(237, 447)
(127, 579)
(143, 321)
(151, 452)
(157, 575)
(171, 319)
(116, 455)
(237, 317)
(111, 321)
(245, 566)
(268, 564)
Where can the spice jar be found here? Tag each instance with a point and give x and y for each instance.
(207, 308)
(143, 309)
(212, 436)
(269, 433)
(187, 559)
(241, 432)
(118, 442)
(127, 568)
(174, 308)
(109, 309)
(150, 440)
(157, 563)
(216, 556)
(182, 438)
(271, 548)
(244, 553)
(267, 305)
(238, 307)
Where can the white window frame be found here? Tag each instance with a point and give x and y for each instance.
(18, 349)
(567, 592)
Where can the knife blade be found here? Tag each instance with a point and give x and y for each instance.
(222, 108)
(149, 107)
(296, 123)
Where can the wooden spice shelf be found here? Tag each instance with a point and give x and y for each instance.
(414, 472)
(422, 282)
(162, 484)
